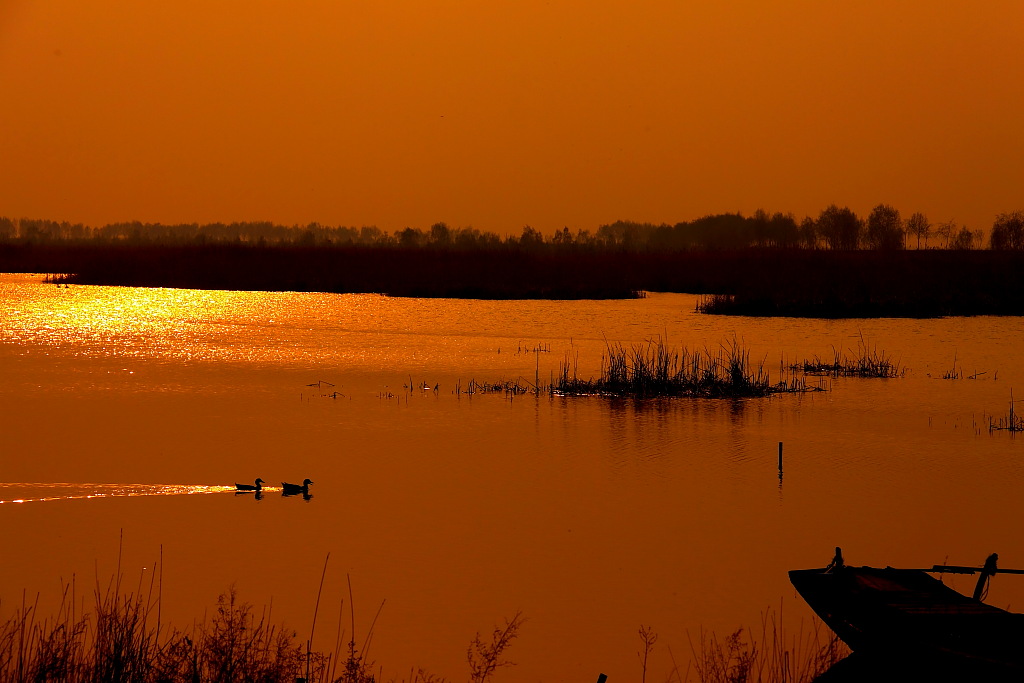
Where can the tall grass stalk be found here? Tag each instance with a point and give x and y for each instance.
(1013, 422)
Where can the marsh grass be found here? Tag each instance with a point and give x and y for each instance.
(954, 372)
(866, 361)
(502, 386)
(654, 369)
(957, 372)
(770, 655)
(1012, 422)
(119, 638)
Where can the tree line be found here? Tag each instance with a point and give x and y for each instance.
(835, 228)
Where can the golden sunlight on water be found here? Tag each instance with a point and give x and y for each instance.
(591, 515)
(39, 492)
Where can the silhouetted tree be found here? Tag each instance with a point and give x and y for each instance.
(410, 237)
(440, 235)
(1008, 231)
(562, 237)
(918, 226)
(612, 234)
(946, 231)
(963, 239)
(371, 234)
(885, 229)
(467, 238)
(530, 237)
(808, 233)
(783, 230)
(584, 237)
(839, 227)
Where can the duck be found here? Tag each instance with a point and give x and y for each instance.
(257, 486)
(295, 489)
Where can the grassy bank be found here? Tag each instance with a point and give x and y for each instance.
(864, 284)
(753, 281)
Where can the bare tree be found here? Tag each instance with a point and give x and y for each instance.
(918, 226)
(946, 231)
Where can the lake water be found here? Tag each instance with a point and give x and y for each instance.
(130, 413)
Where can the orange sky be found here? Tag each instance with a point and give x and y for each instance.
(501, 113)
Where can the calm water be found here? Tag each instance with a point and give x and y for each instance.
(131, 411)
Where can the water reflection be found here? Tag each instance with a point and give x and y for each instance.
(288, 490)
(679, 494)
(41, 492)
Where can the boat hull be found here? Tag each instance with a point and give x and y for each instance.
(906, 614)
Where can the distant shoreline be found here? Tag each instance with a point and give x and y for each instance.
(751, 281)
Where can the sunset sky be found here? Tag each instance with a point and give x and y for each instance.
(499, 114)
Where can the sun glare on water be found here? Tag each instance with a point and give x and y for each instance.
(36, 492)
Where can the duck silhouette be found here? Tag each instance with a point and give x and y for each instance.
(257, 486)
(295, 489)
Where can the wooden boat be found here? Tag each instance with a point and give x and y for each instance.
(908, 615)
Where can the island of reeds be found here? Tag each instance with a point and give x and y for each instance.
(656, 370)
(834, 265)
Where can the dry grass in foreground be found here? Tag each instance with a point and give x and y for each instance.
(120, 639)
(768, 654)
(771, 656)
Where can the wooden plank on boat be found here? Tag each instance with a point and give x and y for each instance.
(953, 569)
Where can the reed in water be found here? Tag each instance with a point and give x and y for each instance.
(654, 370)
(866, 361)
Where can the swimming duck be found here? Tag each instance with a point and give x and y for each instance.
(295, 489)
(257, 486)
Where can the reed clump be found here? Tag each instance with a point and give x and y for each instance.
(1012, 422)
(653, 369)
(509, 387)
(867, 361)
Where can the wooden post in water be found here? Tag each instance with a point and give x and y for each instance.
(780, 457)
(601, 678)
